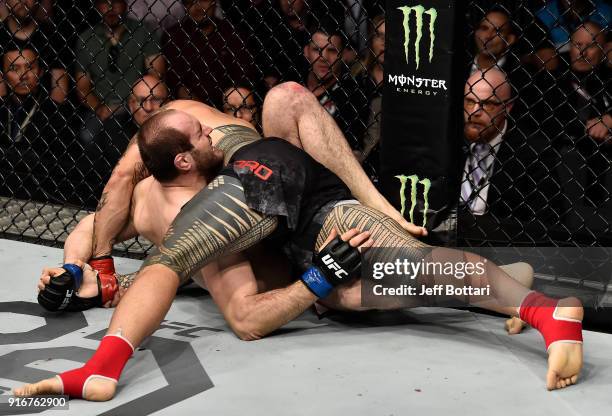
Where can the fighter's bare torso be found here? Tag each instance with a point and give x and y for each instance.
(155, 206)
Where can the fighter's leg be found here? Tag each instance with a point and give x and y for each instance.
(522, 273)
(348, 298)
(557, 320)
(293, 113)
(216, 221)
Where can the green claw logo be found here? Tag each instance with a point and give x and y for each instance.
(414, 181)
(419, 11)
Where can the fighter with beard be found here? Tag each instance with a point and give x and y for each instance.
(270, 188)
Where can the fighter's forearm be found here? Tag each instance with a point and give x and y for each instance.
(114, 207)
(264, 313)
(111, 215)
(78, 245)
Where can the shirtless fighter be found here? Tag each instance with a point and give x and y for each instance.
(291, 196)
(237, 283)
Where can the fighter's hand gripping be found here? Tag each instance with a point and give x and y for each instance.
(338, 262)
(72, 287)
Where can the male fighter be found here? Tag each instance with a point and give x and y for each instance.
(237, 290)
(234, 212)
(291, 112)
(154, 205)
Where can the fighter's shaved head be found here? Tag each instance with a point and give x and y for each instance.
(161, 137)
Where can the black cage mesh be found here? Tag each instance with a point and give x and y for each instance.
(79, 77)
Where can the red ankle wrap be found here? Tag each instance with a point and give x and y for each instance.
(107, 362)
(539, 312)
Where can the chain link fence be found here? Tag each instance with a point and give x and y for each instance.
(78, 78)
(549, 180)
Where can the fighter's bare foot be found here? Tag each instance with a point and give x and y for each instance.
(565, 358)
(48, 386)
(514, 325)
(96, 389)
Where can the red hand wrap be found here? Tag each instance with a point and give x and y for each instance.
(539, 312)
(108, 286)
(107, 362)
(103, 264)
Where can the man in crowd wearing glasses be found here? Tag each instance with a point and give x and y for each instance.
(240, 102)
(508, 180)
(146, 95)
(111, 56)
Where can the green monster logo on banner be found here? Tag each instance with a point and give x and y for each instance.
(414, 180)
(419, 11)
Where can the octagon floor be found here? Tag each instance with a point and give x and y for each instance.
(423, 361)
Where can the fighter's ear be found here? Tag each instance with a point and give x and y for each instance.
(183, 161)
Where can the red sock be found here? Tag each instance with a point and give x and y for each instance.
(539, 312)
(107, 362)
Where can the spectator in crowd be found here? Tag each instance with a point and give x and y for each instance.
(205, 53)
(147, 95)
(497, 45)
(42, 13)
(292, 36)
(589, 82)
(21, 28)
(531, 45)
(111, 56)
(583, 104)
(34, 129)
(159, 15)
(494, 38)
(240, 102)
(562, 17)
(369, 75)
(357, 16)
(337, 91)
(279, 36)
(507, 177)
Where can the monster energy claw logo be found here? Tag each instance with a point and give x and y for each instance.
(414, 181)
(419, 11)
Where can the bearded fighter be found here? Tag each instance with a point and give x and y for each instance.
(298, 202)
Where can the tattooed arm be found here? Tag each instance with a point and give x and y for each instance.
(114, 206)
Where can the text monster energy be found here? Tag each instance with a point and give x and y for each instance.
(414, 180)
(419, 11)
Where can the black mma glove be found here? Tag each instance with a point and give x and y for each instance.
(337, 263)
(60, 293)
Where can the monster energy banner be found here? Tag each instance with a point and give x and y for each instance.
(423, 89)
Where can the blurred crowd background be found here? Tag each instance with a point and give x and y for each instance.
(78, 78)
